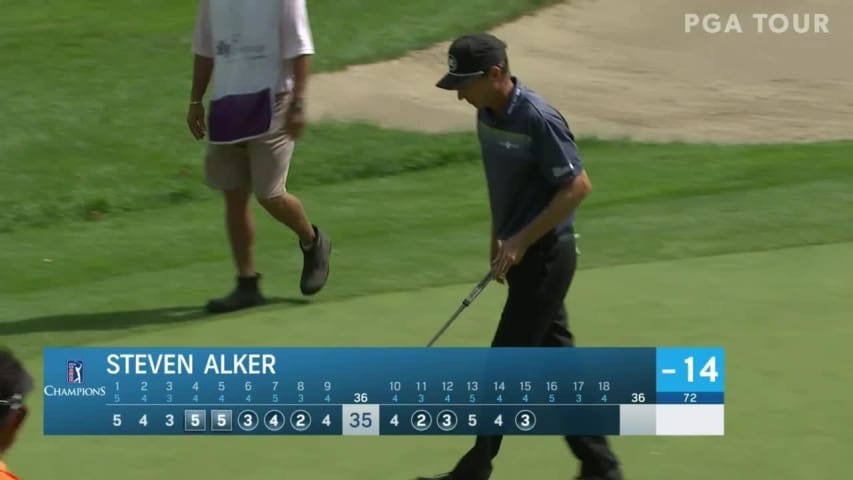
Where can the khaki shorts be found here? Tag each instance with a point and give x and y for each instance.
(260, 164)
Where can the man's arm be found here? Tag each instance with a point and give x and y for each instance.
(560, 164)
(567, 199)
(298, 48)
(298, 44)
(301, 71)
(203, 53)
(202, 72)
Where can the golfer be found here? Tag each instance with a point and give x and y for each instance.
(15, 384)
(535, 182)
(256, 55)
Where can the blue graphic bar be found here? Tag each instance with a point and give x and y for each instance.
(690, 370)
(690, 397)
(368, 391)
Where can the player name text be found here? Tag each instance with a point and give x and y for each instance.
(183, 364)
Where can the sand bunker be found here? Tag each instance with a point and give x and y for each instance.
(627, 68)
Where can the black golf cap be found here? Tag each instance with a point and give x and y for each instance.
(470, 56)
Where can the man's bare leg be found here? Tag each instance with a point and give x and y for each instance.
(288, 209)
(241, 230)
(240, 225)
(315, 245)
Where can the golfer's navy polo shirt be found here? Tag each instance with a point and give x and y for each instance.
(528, 152)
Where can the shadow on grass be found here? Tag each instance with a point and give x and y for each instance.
(122, 319)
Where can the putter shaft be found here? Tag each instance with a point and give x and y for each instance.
(446, 324)
(465, 303)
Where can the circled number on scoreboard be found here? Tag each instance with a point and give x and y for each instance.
(421, 420)
(274, 420)
(247, 420)
(446, 420)
(525, 420)
(300, 420)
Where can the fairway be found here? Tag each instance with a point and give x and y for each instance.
(110, 237)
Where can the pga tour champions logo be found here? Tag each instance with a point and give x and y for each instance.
(776, 23)
(74, 377)
(75, 372)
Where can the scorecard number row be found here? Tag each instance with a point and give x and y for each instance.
(223, 420)
(448, 420)
(226, 393)
(501, 392)
(169, 420)
(474, 386)
(275, 420)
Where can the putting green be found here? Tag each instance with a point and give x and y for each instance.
(793, 303)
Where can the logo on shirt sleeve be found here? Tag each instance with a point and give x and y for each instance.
(560, 171)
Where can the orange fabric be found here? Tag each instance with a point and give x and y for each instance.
(5, 474)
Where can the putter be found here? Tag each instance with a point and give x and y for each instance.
(465, 303)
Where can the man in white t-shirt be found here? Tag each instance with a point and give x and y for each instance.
(260, 165)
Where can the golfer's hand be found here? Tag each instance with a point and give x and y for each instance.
(510, 253)
(195, 121)
(294, 122)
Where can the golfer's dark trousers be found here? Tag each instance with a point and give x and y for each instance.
(535, 315)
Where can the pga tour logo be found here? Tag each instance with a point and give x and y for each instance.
(778, 23)
(75, 372)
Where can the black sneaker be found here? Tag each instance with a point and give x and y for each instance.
(315, 264)
(245, 295)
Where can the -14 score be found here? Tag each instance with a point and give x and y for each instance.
(709, 370)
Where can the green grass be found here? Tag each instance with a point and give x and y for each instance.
(106, 132)
(753, 304)
(158, 32)
(98, 105)
(667, 202)
(138, 279)
(42, 194)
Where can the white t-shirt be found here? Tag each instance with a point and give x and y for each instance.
(296, 39)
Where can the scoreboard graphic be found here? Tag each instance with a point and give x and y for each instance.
(384, 391)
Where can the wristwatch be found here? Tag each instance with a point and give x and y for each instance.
(298, 104)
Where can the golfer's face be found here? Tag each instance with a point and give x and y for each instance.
(474, 92)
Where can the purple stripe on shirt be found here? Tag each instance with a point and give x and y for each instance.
(239, 116)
